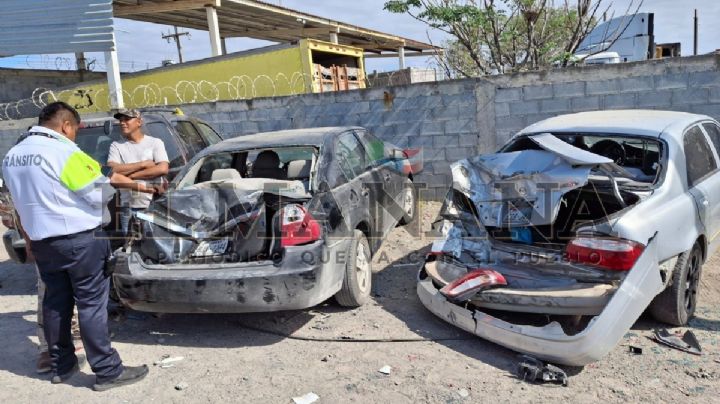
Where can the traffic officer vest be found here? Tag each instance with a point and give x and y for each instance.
(57, 189)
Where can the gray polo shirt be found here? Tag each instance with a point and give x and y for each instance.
(126, 152)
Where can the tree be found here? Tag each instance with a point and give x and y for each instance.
(503, 36)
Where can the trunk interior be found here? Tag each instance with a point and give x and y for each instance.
(579, 207)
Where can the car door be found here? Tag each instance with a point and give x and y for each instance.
(360, 198)
(173, 148)
(703, 176)
(389, 177)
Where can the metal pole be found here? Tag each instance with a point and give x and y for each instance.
(695, 37)
(214, 30)
(113, 78)
(334, 37)
(401, 57)
(81, 63)
(177, 42)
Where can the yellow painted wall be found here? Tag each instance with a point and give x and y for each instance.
(264, 74)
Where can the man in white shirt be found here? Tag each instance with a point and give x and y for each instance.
(141, 158)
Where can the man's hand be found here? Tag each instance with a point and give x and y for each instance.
(121, 181)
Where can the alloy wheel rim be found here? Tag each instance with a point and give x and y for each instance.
(409, 202)
(691, 282)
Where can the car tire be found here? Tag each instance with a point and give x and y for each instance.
(676, 304)
(357, 282)
(408, 203)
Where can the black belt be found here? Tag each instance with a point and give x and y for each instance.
(69, 236)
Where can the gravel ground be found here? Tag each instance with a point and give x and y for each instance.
(270, 358)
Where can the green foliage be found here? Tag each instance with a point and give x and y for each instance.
(490, 36)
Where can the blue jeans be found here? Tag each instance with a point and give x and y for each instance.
(126, 213)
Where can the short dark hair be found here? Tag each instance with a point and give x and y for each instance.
(51, 111)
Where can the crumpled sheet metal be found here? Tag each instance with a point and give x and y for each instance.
(202, 213)
(517, 189)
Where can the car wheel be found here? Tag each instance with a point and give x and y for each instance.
(676, 304)
(408, 203)
(356, 286)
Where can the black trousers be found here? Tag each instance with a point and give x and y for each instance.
(72, 268)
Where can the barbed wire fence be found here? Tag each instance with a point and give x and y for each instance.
(183, 92)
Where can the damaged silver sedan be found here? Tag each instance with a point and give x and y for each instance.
(555, 245)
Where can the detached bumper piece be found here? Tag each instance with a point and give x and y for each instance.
(532, 370)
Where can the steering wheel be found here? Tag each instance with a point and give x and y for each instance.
(610, 149)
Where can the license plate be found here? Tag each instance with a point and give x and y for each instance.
(518, 213)
(211, 247)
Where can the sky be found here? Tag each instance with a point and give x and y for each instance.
(140, 44)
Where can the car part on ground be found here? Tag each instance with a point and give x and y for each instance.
(532, 370)
(686, 342)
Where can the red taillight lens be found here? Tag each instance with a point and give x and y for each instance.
(466, 286)
(297, 226)
(608, 253)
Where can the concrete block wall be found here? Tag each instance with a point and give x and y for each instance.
(684, 84)
(455, 119)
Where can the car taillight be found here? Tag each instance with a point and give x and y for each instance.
(467, 285)
(297, 226)
(608, 253)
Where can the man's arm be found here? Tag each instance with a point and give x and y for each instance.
(130, 168)
(115, 162)
(151, 173)
(121, 181)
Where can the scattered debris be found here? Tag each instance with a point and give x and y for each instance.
(326, 357)
(308, 398)
(464, 393)
(531, 369)
(686, 342)
(701, 374)
(167, 362)
(635, 349)
(385, 370)
(181, 386)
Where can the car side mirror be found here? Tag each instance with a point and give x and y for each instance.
(107, 127)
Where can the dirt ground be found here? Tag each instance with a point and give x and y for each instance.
(266, 358)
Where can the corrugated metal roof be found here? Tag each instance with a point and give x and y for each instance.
(29, 27)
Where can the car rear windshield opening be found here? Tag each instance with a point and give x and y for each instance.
(639, 156)
(279, 163)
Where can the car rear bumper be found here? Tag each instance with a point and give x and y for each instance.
(306, 276)
(550, 342)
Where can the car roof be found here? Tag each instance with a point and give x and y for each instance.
(629, 121)
(291, 137)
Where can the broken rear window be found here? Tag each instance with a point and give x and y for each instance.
(279, 163)
(639, 156)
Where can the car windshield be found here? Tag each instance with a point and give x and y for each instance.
(640, 157)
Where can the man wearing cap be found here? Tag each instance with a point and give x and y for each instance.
(59, 193)
(140, 157)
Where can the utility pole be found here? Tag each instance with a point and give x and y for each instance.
(695, 34)
(176, 36)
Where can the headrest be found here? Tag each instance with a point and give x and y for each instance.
(299, 169)
(224, 174)
(267, 159)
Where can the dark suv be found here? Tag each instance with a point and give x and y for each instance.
(183, 136)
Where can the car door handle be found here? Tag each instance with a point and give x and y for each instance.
(705, 202)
